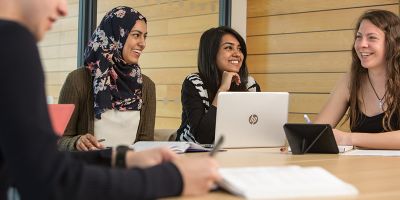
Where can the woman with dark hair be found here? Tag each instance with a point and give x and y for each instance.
(370, 91)
(222, 67)
(115, 101)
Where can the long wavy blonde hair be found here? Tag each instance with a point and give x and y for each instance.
(389, 23)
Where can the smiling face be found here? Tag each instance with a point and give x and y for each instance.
(370, 45)
(135, 43)
(39, 15)
(229, 56)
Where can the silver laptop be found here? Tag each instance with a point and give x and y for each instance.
(252, 119)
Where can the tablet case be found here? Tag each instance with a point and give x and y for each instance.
(310, 138)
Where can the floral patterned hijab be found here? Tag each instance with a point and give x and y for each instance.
(116, 84)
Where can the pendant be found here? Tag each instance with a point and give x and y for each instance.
(381, 104)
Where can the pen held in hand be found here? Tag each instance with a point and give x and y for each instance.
(101, 140)
(217, 146)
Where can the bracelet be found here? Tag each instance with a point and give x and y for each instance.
(120, 156)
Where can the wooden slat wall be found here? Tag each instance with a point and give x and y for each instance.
(59, 50)
(303, 46)
(174, 28)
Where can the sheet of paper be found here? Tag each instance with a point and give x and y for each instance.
(343, 149)
(360, 152)
(177, 147)
(284, 182)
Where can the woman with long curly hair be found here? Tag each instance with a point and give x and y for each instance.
(370, 91)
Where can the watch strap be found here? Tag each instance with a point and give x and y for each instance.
(120, 156)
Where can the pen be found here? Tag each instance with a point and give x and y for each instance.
(217, 146)
(101, 140)
(308, 121)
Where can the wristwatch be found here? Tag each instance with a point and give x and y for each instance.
(120, 156)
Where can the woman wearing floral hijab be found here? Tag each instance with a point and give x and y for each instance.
(113, 100)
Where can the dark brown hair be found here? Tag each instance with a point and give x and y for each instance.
(207, 60)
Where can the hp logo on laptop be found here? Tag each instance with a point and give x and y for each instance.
(253, 119)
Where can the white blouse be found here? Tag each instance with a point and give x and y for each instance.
(117, 127)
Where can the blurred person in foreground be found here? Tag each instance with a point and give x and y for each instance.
(29, 160)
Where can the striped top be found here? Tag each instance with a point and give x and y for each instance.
(198, 114)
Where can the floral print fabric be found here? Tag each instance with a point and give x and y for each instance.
(116, 84)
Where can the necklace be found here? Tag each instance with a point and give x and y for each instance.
(380, 100)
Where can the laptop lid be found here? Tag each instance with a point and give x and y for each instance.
(252, 119)
(60, 115)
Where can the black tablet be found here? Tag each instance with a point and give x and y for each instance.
(310, 138)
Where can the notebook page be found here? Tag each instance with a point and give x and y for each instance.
(359, 152)
(197, 148)
(343, 149)
(284, 182)
(177, 147)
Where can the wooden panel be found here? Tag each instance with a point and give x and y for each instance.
(182, 25)
(275, 7)
(65, 24)
(56, 78)
(72, 2)
(167, 123)
(301, 42)
(73, 8)
(297, 82)
(307, 103)
(105, 5)
(179, 9)
(169, 92)
(53, 90)
(60, 38)
(168, 76)
(173, 42)
(164, 9)
(61, 51)
(168, 59)
(169, 109)
(300, 62)
(310, 21)
(60, 64)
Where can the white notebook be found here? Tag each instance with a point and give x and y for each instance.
(361, 152)
(283, 182)
(177, 147)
